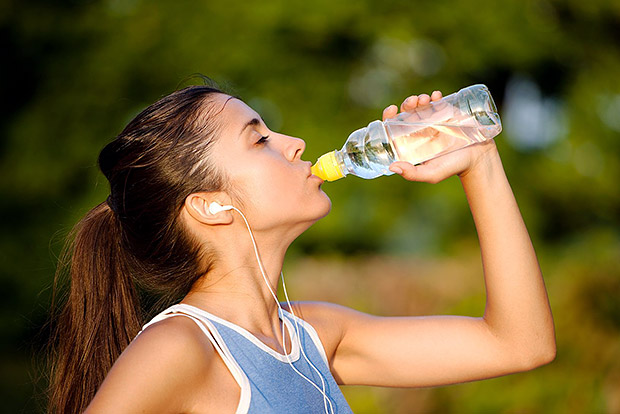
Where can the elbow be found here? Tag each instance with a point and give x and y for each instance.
(544, 356)
(546, 349)
(538, 354)
(549, 353)
(534, 347)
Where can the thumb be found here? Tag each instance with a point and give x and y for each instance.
(410, 172)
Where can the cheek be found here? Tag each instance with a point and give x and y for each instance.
(287, 195)
(266, 191)
(278, 191)
(272, 186)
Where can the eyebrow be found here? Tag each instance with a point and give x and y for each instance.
(251, 122)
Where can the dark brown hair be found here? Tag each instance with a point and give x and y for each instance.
(133, 246)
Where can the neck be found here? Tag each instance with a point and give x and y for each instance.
(235, 289)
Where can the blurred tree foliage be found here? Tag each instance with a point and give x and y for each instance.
(76, 71)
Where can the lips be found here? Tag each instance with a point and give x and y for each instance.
(318, 178)
(310, 175)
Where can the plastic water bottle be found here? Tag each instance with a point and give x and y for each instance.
(454, 122)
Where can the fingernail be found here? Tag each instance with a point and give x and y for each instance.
(396, 170)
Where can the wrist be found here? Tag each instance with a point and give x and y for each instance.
(485, 161)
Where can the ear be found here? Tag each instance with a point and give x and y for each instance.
(197, 205)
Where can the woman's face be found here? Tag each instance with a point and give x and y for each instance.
(266, 170)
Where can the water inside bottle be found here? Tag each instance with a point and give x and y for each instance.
(419, 142)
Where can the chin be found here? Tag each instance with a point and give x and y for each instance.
(319, 210)
(326, 208)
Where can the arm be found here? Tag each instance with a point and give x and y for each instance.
(516, 332)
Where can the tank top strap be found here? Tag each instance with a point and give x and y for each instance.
(314, 336)
(211, 332)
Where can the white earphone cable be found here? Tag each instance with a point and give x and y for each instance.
(302, 349)
(326, 399)
(260, 264)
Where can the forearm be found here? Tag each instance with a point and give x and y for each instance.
(517, 309)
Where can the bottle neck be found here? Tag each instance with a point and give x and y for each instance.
(340, 163)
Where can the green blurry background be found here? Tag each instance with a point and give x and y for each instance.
(75, 72)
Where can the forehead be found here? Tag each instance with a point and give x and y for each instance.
(232, 115)
(235, 112)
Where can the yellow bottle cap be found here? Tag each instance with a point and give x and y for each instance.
(327, 167)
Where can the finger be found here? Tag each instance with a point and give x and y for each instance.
(436, 95)
(424, 99)
(390, 112)
(409, 103)
(425, 110)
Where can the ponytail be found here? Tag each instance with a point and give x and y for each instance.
(132, 255)
(100, 316)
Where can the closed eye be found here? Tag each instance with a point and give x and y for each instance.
(263, 140)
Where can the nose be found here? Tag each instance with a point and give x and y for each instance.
(295, 148)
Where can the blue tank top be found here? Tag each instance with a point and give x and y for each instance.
(268, 383)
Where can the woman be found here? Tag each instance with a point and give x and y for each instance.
(230, 348)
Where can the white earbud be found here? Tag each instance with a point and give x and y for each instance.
(216, 207)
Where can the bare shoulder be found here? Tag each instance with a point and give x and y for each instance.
(186, 328)
(176, 340)
(156, 372)
(331, 321)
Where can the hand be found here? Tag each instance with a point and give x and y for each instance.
(459, 162)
